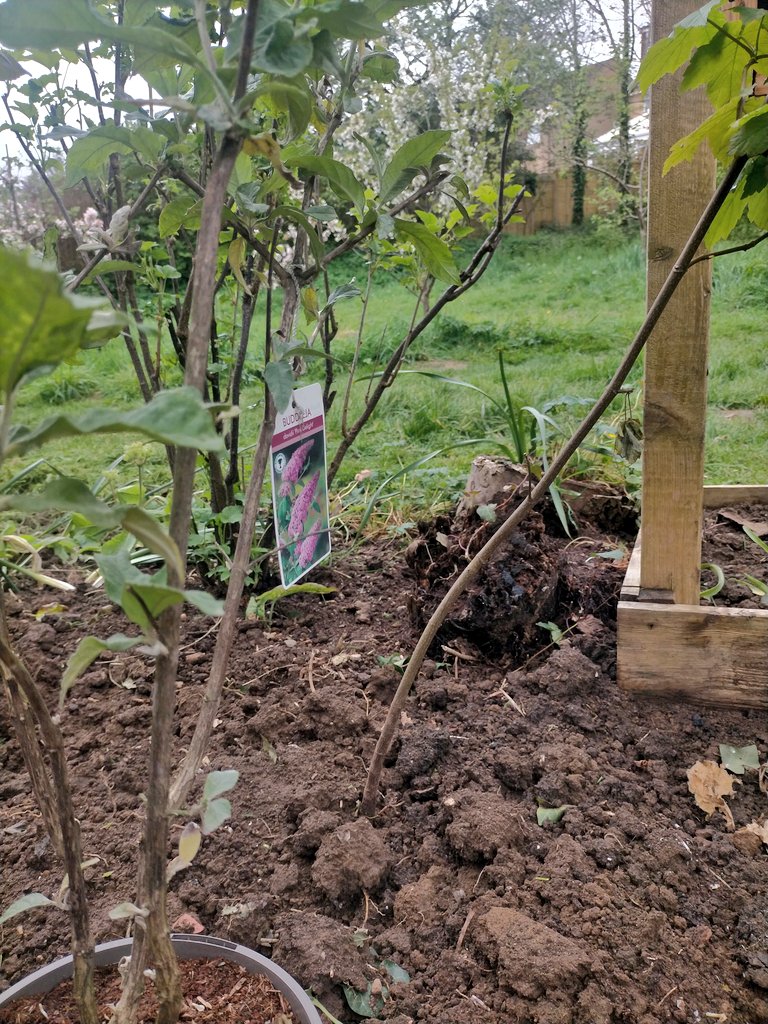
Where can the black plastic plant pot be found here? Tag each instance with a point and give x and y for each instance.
(188, 947)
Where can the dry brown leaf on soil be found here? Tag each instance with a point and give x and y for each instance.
(709, 784)
(759, 830)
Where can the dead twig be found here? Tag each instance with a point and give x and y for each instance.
(464, 929)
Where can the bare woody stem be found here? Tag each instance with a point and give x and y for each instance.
(571, 446)
(239, 570)
(154, 938)
(66, 835)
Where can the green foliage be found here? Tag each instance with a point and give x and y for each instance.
(40, 325)
(28, 902)
(707, 593)
(262, 605)
(738, 759)
(724, 56)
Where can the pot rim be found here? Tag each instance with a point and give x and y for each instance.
(187, 947)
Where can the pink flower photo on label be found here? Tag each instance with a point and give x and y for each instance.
(302, 506)
(306, 550)
(292, 471)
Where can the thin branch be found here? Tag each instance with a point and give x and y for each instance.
(469, 277)
(472, 571)
(352, 240)
(734, 248)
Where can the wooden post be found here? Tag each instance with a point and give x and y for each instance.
(676, 357)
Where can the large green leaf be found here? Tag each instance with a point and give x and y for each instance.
(86, 652)
(182, 212)
(279, 377)
(175, 417)
(670, 53)
(66, 24)
(719, 65)
(90, 154)
(409, 159)
(433, 252)
(40, 325)
(279, 48)
(715, 130)
(24, 903)
(751, 135)
(348, 19)
(289, 96)
(48, 24)
(219, 782)
(340, 177)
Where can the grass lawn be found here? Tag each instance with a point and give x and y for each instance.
(561, 306)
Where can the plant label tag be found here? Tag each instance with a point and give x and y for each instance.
(300, 485)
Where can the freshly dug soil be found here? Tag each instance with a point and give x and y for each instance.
(633, 907)
(216, 992)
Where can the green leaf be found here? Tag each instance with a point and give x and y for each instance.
(433, 252)
(550, 815)
(90, 154)
(190, 841)
(10, 68)
(299, 217)
(343, 291)
(709, 592)
(291, 97)
(279, 377)
(321, 213)
(24, 903)
(668, 54)
(182, 212)
(86, 652)
(144, 603)
(409, 159)
(380, 66)
(176, 417)
(738, 759)
(719, 65)
(754, 538)
(339, 176)
(258, 603)
(751, 135)
(48, 24)
(715, 130)
(348, 19)
(728, 216)
(397, 973)
(215, 814)
(126, 911)
(217, 783)
(204, 602)
(40, 324)
(110, 267)
(278, 48)
(487, 513)
(365, 1004)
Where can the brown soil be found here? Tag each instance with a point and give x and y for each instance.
(632, 908)
(216, 992)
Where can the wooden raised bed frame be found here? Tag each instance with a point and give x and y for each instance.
(697, 653)
(669, 645)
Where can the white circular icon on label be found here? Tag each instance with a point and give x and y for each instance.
(280, 461)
